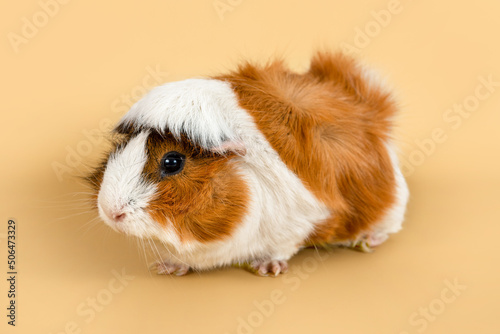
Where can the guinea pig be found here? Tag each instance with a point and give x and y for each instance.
(247, 168)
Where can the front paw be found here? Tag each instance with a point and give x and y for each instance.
(167, 268)
(270, 268)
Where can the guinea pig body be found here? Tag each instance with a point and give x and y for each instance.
(249, 167)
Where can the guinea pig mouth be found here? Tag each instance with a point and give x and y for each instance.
(118, 228)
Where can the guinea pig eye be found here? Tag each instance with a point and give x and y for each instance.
(172, 163)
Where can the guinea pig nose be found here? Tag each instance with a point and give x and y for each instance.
(119, 216)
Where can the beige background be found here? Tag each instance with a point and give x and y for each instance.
(80, 67)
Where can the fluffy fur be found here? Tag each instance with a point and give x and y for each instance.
(276, 160)
(330, 128)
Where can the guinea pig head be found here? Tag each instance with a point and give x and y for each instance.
(160, 183)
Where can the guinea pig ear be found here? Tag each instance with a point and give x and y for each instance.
(236, 147)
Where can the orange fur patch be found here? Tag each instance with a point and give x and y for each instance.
(329, 127)
(206, 200)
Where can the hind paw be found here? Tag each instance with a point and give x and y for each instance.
(366, 243)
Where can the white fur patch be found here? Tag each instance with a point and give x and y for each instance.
(199, 108)
(393, 219)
